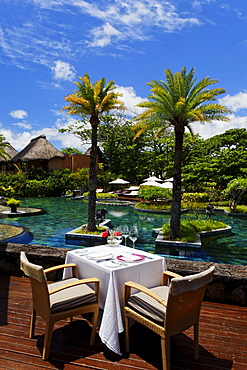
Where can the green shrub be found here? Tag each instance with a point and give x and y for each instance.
(196, 205)
(154, 193)
(195, 197)
(103, 195)
(7, 192)
(153, 206)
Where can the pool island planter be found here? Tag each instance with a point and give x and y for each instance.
(22, 212)
(161, 242)
(89, 240)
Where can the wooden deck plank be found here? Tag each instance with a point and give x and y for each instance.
(222, 339)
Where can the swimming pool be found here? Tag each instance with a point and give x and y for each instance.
(65, 214)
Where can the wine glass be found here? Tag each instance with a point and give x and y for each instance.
(119, 235)
(125, 232)
(133, 234)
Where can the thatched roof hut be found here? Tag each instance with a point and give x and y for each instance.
(39, 153)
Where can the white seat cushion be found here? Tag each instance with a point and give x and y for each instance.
(71, 297)
(148, 306)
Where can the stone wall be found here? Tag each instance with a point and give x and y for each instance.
(229, 284)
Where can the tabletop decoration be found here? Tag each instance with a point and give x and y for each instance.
(111, 238)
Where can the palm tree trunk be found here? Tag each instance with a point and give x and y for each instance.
(93, 175)
(176, 196)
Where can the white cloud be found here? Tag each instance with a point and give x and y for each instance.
(31, 38)
(63, 71)
(232, 102)
(208, 130)
(60, 140)
(102, 36)
(130, 99)
(19, 114)
(133, 20)
(24, 125)
(235, 102)
(18, 141)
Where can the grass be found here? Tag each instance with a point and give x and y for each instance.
(84, 230)
(239, 209)
(190, 228)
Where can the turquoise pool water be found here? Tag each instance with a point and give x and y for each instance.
(65, 214)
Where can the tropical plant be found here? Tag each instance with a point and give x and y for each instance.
(175, 104)
(3, 145)
(235, 190)
(13, 202)
(92, 100)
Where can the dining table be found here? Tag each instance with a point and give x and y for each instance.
(113, 266)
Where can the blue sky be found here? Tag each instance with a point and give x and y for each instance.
(47, 44)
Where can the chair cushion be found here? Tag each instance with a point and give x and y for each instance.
(71, 297)
(148, 306)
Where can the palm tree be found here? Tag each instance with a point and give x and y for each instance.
(175, 104)
(5, 155)
(92, 100)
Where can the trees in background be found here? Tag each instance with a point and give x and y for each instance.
(71, 151)
(219, 159)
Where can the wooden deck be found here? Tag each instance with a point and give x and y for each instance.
(223, 345)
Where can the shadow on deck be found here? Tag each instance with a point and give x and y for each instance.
(222, 339)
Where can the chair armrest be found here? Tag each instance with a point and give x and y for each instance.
(78, 282)
(166, 275)
(59, 267)
(131, 284)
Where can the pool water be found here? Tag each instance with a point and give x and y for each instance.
(65, 214)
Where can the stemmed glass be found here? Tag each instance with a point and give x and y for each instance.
(125, 232)
(133, 234)
(119, 235)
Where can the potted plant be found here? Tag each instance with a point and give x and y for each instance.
(13, 204)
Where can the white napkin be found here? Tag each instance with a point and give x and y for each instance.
(129, 257)
(99, 255)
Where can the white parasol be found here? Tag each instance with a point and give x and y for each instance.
(151, 183)
(153, 178)
(167, 185)
(119, 182)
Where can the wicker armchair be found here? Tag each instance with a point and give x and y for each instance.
(167, 310)
(59, 300)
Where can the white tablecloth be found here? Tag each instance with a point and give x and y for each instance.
(147, 272)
